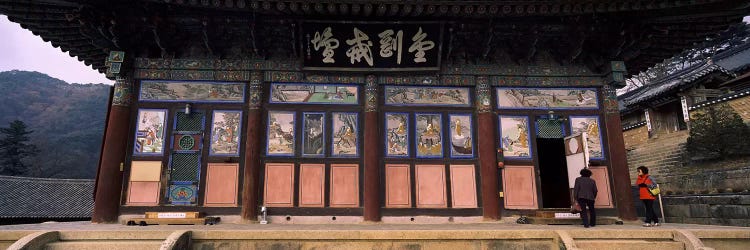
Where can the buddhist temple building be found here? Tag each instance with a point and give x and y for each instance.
(349, 110)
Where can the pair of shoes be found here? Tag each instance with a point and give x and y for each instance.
(585, 226)
(647, 225)
(656, 224)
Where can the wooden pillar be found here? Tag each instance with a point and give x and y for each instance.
(371, 152)
(109, 179)
(618, 156)
(486, 149)
(251, 166)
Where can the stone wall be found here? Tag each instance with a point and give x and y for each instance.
(663, 155)
(716, 209)
(711, 193)
(729, 176)
(742, 107)
(635, 137)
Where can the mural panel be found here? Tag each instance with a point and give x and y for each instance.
(314, 93)
(431, 96)
(514, 136)
(397, 134)
(345, 134)
(429, 135)
(280, 134)
(181, 194)
(546, 98)
(225, 132)
(149, 136)
(176, 91)
(590, 125)
(313, 138)
(462, 141)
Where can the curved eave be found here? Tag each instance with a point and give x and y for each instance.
(678, 24)
(50, 20)
(431, 9)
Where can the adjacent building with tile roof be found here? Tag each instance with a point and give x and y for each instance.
(33, 200)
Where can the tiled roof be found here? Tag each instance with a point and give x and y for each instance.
(736, 59)
(728, 62)
(681, 78)
(24, 197)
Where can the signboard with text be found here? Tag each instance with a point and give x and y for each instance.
(372, 46)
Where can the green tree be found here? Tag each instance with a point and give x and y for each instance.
(14, 148)
(718, 132)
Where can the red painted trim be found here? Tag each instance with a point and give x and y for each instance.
(488, 165)
(104, 138)
(620, 171)
(372, 168)
(251, 166)
(109, 179)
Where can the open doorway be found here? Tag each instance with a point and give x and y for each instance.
(553, 173)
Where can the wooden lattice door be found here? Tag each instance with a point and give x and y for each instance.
(185, 158)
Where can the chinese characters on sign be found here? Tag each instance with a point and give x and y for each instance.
(372, 46)
(326, 41)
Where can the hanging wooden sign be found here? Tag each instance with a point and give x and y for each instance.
(371, 46)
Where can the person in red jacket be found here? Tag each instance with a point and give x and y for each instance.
(643, 182)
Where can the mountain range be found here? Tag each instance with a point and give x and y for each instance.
(67, 121)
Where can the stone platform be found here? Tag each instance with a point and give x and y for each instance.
(453, 236)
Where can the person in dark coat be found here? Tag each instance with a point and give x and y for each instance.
(584, 191)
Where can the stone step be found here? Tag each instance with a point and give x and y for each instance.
(651, 234)
(108, 245)
(142, 233)
(628, 245)
(569, 221)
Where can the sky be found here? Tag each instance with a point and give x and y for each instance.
(23, 50)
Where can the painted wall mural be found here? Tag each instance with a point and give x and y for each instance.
(280, 133)
(313, 138)
(397, 134)
(429, 135)
(181, 194)
(514, 136)
(225, 132)
(462, 141)
(345, 134)
(590, 125)
(546, 98)
(314, 93)
(433, 96)
(149, 136)
(176, 91)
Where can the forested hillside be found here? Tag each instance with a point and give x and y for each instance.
(67, 120)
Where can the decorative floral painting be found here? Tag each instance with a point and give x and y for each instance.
(225, 133)
(514, 136)
(590, 125)
(149, 138)
(165, 91)
(183, 194)
(546, 98)
(429, 135)
(313, 138)
(280, 133)
(314, 93)
(436, 96)
(345, 134)
(462, 142)
(397, 134)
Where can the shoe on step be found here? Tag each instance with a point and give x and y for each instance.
(655, 224)
(646, 225)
